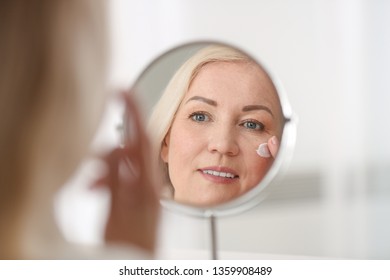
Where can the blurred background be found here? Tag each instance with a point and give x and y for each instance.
(333, 59)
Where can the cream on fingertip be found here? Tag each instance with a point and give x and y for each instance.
(263, 150)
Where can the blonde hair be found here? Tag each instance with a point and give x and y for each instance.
(164, 111)
(51, 98)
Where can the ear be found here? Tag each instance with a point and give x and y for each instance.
(165, 149)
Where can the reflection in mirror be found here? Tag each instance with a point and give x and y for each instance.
(217, 123)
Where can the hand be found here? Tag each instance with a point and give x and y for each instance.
(134, 207)
(273, 146)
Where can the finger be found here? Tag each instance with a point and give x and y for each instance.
(124, 168)
(102, 179)
(133, 117)
(139, 147)
(273, 146)
(99, 183)
(111, 160)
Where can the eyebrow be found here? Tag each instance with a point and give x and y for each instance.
(244, 109)
(257, 107)
(203, 99)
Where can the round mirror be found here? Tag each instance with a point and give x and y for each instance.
(220, 126)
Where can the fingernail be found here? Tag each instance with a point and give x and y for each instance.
(263, 150)
(273, 140)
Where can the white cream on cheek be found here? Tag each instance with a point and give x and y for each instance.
(263, 150)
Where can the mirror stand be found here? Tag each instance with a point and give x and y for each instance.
(213, 232)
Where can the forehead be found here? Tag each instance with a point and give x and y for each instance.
(240, 81)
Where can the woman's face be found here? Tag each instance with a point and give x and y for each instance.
(229, 109)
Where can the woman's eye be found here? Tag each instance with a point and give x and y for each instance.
(199, 117)
(253, 125)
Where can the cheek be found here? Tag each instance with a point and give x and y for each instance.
(184, 145)
(261, 166)
(184, 148)
(257, 167)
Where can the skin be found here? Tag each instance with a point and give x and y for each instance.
(229, 109)
(134, 209)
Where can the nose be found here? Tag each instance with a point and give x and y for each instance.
(223, 141)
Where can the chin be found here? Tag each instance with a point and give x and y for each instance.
(213, 201)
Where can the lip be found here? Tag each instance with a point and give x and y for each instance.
(219, 179)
